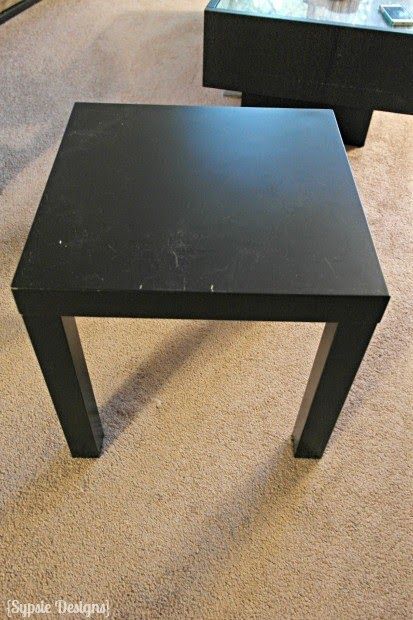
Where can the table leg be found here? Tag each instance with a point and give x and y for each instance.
(353, 122)
(338, 358)
(57, 345)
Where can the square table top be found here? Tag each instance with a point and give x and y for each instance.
(351, 13)
(200, 199)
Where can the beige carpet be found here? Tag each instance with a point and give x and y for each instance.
(196, 509)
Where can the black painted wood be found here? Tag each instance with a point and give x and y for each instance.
(202, 213)
(313, 62)
(59, 352)
(353, 122)
(149, 200)
(16, 9)
(338, 358)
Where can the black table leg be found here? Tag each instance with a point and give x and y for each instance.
(353, 122)
(338, 358)
(59, 352)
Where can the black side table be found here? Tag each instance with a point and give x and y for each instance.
(200, 213)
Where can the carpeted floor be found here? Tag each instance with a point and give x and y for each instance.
(196, 508)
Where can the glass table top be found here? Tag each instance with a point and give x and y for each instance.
(359, 13)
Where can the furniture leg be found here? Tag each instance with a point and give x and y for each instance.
(338, 358)
(353, 123)
(59, 352)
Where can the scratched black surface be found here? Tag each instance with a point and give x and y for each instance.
(165, 198)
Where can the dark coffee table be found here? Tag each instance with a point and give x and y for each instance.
(200, 213)
(337, 54)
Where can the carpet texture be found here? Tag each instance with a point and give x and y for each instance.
(196, 508)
